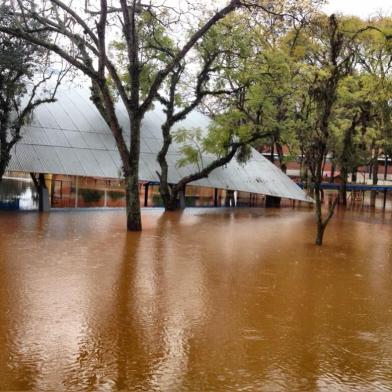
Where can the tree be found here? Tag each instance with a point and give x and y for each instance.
(235, 81)
(81, 36)
(360, 120)
(22, 81)
(375, 61)
(241, 63)
(352, 126)
(330, 58)
(215, 55)
(182, 92)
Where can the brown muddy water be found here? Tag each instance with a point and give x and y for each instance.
(206, 300)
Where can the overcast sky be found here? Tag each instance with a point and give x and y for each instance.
(362, 8)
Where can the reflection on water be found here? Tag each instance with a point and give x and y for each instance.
(18, 189)
(204, 300)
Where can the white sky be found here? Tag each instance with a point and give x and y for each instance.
(362, 8)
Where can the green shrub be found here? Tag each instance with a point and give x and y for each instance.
(91, 195)
(190, 201)
(116, 195)
(157, 200)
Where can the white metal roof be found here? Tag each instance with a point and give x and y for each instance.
(70, 137)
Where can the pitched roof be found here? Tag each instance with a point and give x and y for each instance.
(70, 137)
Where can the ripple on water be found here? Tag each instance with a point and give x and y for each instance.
(205, 300)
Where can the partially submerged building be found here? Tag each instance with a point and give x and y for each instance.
(69, 142)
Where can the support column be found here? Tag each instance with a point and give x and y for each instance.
(76, 191)
(215, 197)
(386, 167)
(105, 198)
(385, 199)
(52, 190)
(146, 195)
(229, 199)
(181, 195)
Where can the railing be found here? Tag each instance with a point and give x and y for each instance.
(352, 187)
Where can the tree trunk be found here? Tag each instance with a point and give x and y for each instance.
(272, 153)
(301, 167)
(134, 222)
(171, 202)
(322, 223)
(386, 167)
(319, 216)
(283, 167)
(5, 158)
(373, 194)
(354, 175)
(169, 195)
(2, 170)
(174, 191)
(320, 233)
(133, 203)
(282, 164)
(343, 187)
(332, 178)
(174, 199)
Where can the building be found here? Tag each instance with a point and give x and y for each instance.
(69, 142)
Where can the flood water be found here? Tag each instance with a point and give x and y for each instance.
(206, 300)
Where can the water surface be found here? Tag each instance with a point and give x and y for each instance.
(213, 300)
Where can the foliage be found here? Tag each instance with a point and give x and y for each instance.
(271, 73)
(19, 95)
(191, 146)
(80, 33)
(91, 195)
(116, 195)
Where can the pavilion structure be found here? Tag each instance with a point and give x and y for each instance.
(70, 137)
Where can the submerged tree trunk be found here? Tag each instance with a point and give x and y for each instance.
(170, 202)
(170, 193)
(322, 224)
(319, 217)
(134, 222)
(320, 233)
(132, 203)
(343, 187)
(373, 194)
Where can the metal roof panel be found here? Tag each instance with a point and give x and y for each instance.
(70, 137)
(70, 161)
